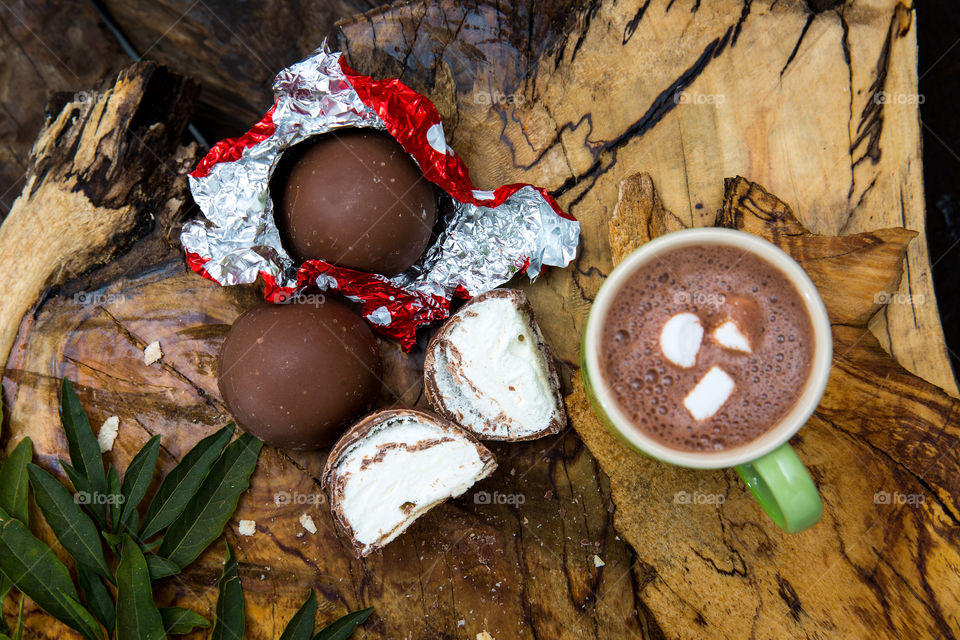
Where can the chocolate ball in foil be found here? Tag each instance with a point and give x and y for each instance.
(355, 199)
(296, 375)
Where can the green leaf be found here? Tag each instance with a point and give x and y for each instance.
(7, 585)
(137, 615)
(183, 481)
(205, 515)
(96, 597)
(93, 631)
(13, 480)
(136, 479)
(229, 622)
(84, 449)
(161, 567)
(13, 500)
(300, 626)
(112, 539)
(73, 528)
(179, 621)
(18, 634)
(82, 488)
(37, 572)
(114, 499)
(4, 627)
(344, 627)
(130, 523)
(148, 547)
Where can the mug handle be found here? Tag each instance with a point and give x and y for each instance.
(784, 488)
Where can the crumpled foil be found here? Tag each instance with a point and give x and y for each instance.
(487, 236)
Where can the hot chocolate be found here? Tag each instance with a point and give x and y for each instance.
(706, 348)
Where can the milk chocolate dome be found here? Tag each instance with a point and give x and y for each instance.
(356, 199)
(296, 375)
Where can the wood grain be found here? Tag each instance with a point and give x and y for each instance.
(106, 164)
(882, 448)
(576, 96)
(46, 50)
(233, 49)
(814, 100)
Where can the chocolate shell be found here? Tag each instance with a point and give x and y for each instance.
(355, 199)
(489, 370)
(393, 466)
(295, 375)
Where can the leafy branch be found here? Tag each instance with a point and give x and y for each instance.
(230, 620)
(118, 558)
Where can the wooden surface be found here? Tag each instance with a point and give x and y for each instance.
(232, 49)
(48, 47)
(500, 568)
(104, 168)
(814, 105)
(882, 448)
(577, 101)
(497, 565)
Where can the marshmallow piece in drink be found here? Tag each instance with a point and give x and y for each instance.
(680, 339)
(713, 390)
(729, 336)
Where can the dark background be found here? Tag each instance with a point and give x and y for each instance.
(938, 35)
(235, 48)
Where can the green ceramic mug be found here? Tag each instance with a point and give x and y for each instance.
(768, 465)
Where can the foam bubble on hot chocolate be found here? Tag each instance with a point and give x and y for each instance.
(709, 394)
(729, 335)
(680, 339)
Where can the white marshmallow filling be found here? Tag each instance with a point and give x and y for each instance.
(398, 472)
(503, 386)
(729, 336)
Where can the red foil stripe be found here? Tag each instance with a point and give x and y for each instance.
(274, 293)
(195, 261)
(408, 309)
(408, 116)
(230, 149)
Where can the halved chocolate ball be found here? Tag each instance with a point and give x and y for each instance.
(296, 375)
(356, 199)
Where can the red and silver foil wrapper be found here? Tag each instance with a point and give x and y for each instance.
(486, 238)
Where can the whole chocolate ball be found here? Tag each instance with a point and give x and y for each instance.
(355, 199)
(296, 375)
